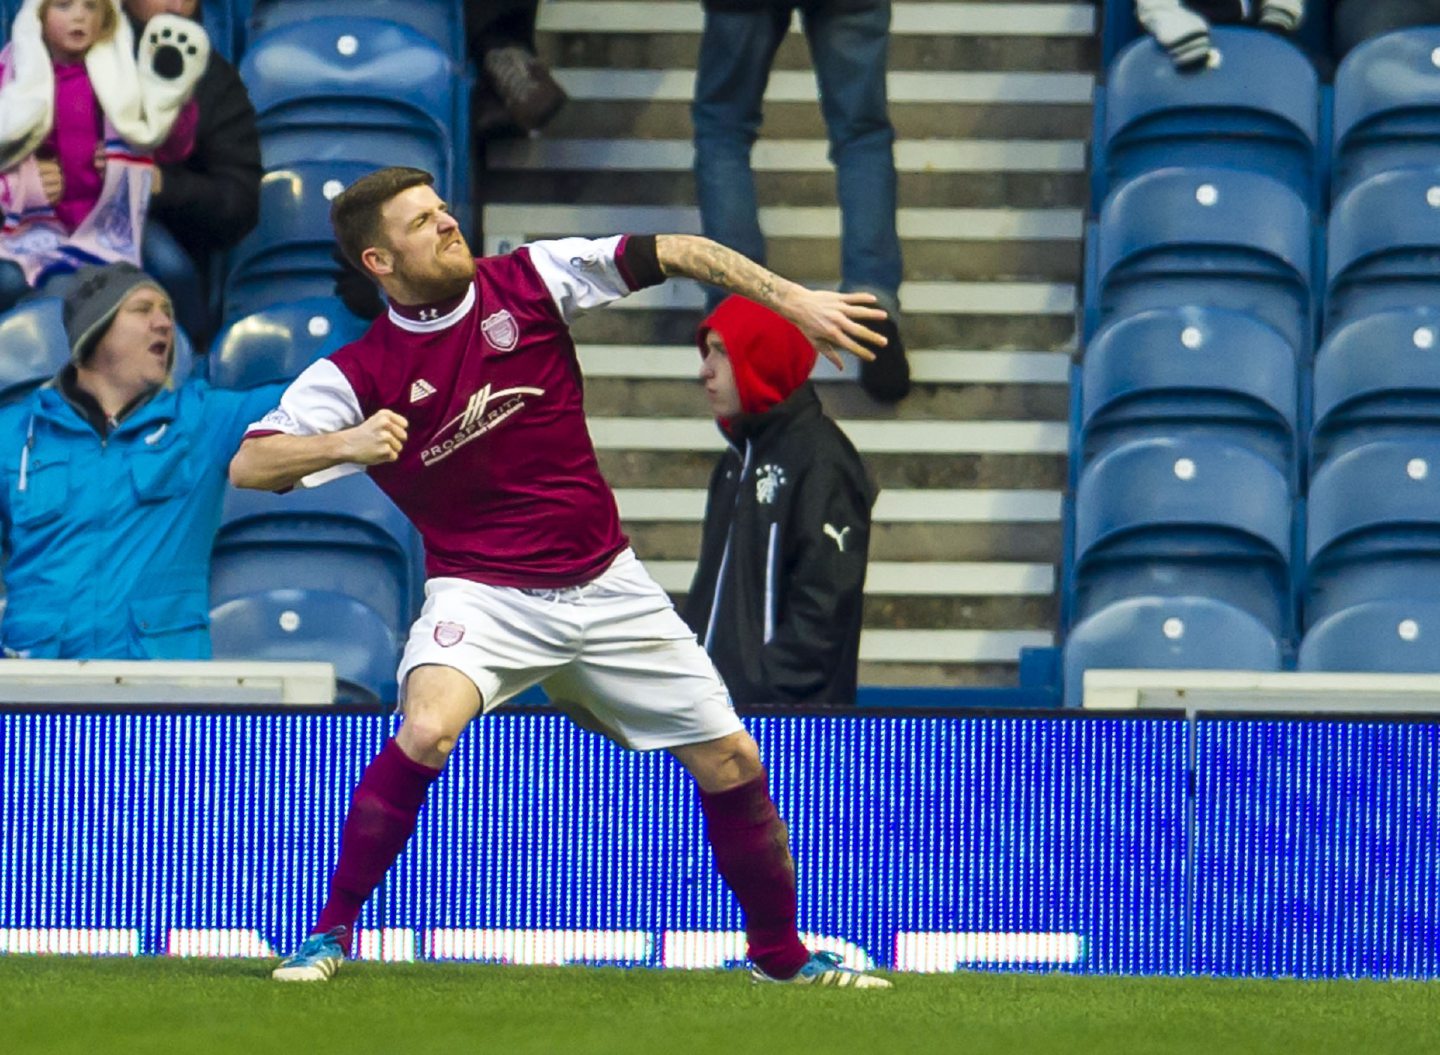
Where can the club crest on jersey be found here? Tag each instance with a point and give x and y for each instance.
(769, 478)
(501, 331)
(448, 635)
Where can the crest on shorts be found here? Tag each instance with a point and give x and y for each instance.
(501, 331)
(448, 634)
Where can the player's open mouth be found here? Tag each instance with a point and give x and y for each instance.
(160, 348)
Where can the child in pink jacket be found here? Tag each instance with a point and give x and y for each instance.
(81, 120)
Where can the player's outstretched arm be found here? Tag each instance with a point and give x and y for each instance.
(278, 462)
(831, 320)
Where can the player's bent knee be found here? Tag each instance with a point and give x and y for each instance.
(719, 765)
(439, 703)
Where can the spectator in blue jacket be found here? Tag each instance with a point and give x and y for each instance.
(113, 481)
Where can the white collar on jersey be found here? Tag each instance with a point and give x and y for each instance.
(450, 318)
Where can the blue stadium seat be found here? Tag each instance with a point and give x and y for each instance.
(289, 625)
(1377, 378)
(1167, 633)
(1373, 527)
(290, 254)
(225, 26)
(1190, 372)
(345, 537)
(278, 343)
(443, 21)
(33, 348)
(1387, 107)
(357, 90)
(1205, 236)
(1258, 110)
(1393, 637)
(1384, 245)
(1185, 516)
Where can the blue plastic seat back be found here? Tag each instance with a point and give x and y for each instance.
(354, 89)
(1211, 237)
(1387, 106)
(345, 536)
(1373, 527)
(1257, 110)
(1204, 494)
(298, 625)
(290, 254)
(33, 346)
(1185, 516)
(225, 27)
(8, 10)
(1191, 371)
(277, 344)
(1384, 245)
(1377, 377)
(1168, 633)
(442, 21)
(1390, 637)
(1375, 498)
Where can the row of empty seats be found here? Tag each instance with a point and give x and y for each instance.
(1254, 443)
(1262, 109)
(1220, 373)
(1162, 525)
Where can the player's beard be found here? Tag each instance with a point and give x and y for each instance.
(448, 275)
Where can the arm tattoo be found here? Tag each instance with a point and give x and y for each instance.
(708, 261)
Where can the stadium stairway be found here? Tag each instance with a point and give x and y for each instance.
(991, 103)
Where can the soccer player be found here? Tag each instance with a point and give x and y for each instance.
(463, 403)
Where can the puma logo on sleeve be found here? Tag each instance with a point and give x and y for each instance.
(837, 535)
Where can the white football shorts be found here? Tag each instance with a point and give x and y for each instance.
(613, 654)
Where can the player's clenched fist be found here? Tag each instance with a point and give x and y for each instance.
(377, 439)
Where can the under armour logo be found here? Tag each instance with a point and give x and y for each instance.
(429, 314)
(838, 536)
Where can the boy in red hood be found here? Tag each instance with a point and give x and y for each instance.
(778, 593)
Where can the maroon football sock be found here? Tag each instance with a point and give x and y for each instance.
(381, 818)
(752, 849)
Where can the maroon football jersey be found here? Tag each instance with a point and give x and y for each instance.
(498, 473)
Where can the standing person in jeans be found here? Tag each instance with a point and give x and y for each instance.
(849, 40)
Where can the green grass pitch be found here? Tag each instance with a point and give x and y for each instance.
(63, 1004)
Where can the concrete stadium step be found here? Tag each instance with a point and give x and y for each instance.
(805, 240)
(991, 102)
(663, 34)
(983, 329)
(936, 190)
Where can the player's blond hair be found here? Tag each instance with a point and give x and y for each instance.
(355, 214)
(109, 21)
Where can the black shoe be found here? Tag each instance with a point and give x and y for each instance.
(887, 378)
(530, 94)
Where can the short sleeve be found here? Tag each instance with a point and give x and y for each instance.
(580, 273)
(319, 401)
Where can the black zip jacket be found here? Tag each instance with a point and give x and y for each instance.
(787, 538)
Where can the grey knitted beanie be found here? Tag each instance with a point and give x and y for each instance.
(92, 299)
